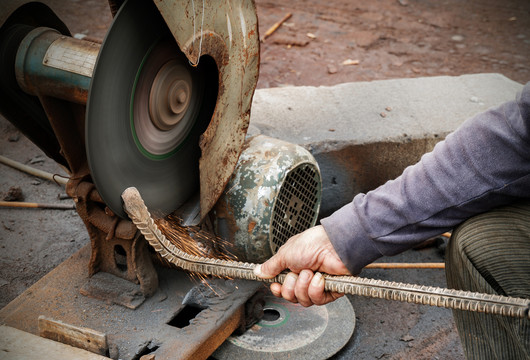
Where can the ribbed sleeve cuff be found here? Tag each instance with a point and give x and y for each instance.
(350, 241)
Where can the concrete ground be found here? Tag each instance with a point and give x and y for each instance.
(419, 112)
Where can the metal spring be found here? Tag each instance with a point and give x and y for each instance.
(417, 294)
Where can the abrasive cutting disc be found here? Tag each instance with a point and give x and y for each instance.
(291, 331)
(146, 109)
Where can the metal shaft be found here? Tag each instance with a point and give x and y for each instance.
(426, 295)
(49, 63)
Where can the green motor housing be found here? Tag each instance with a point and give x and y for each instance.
(273, 194)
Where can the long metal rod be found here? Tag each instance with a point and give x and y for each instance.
(426, 295)
(405, 266)
(32, 171)
(22, 204)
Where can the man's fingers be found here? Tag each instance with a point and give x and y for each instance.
(306, 288)
(316, 292)
(269, 268)
(288, 287)
(301, 286)
(276, 289)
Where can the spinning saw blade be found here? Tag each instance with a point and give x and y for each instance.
(144, 113)
(148, 107)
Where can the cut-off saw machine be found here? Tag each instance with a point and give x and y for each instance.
(161, 105)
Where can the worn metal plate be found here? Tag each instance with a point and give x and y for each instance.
(291, 331)
(70, 55)
(226, 31)
(273, 194)
(149, 329)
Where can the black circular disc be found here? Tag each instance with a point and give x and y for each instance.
(291, 331)
(137, 45)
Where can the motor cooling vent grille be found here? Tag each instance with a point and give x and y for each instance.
(296, 207)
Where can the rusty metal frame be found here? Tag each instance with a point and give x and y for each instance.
(106, 230)
(66, 116)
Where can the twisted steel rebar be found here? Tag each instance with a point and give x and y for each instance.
(417, 294)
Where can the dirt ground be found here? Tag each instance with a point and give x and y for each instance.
(384, 38)
(323, 43)
(395, 39)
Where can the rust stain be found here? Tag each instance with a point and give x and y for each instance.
(251, 226)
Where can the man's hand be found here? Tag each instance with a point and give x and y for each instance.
(303, 254)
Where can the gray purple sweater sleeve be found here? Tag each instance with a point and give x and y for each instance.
(485, 163)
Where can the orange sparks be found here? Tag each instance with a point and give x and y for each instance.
(194, 241)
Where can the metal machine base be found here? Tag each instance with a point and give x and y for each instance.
(161, 325)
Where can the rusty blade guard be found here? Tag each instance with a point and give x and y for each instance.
(433, 296)
(228, 32)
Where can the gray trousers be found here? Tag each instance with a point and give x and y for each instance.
(490, 253)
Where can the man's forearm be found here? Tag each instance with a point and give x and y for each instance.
(482, 165)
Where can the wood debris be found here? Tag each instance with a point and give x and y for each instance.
(290, 40)
(350, 62)
(276, 26)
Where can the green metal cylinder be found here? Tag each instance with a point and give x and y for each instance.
(274, 193)
(51, 64)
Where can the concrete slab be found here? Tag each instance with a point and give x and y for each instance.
(363, 134)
